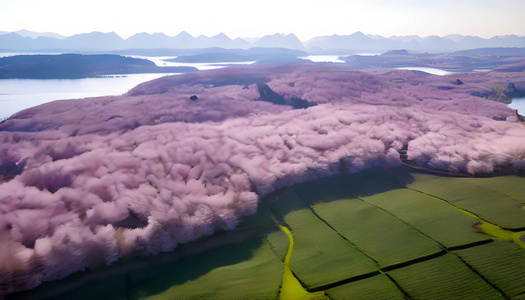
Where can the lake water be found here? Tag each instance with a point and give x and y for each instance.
(332, 58)
(161, 62)
(519, 104)
(432, 71)
(324, 58)
(19, 94)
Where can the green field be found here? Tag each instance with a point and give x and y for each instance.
(316, 245)
(398, 234)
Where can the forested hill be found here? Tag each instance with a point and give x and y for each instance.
(71, 66)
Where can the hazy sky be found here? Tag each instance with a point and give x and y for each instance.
(243, 18)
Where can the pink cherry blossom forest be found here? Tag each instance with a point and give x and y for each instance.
(87, 182)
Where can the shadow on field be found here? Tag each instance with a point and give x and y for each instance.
(141, 277)
(363, 184)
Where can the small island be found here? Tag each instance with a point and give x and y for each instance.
(74, 66)
(255, 54)
(484, 59)
(212, 58)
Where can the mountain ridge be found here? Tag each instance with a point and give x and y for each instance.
(24, 40)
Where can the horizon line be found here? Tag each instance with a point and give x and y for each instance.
(2, 32)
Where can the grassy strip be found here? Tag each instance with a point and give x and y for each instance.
(376, 287)
(445, 277)
(501, 263)
(375, 232)
(237, 280)
(321, 256)
(482, 225)
(437, 219)
(511, 186)
(487, 204)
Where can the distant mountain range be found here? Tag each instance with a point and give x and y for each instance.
(98, 41)
(24, 40)
(360, 41)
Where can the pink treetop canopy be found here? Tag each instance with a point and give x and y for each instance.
(85, 182)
